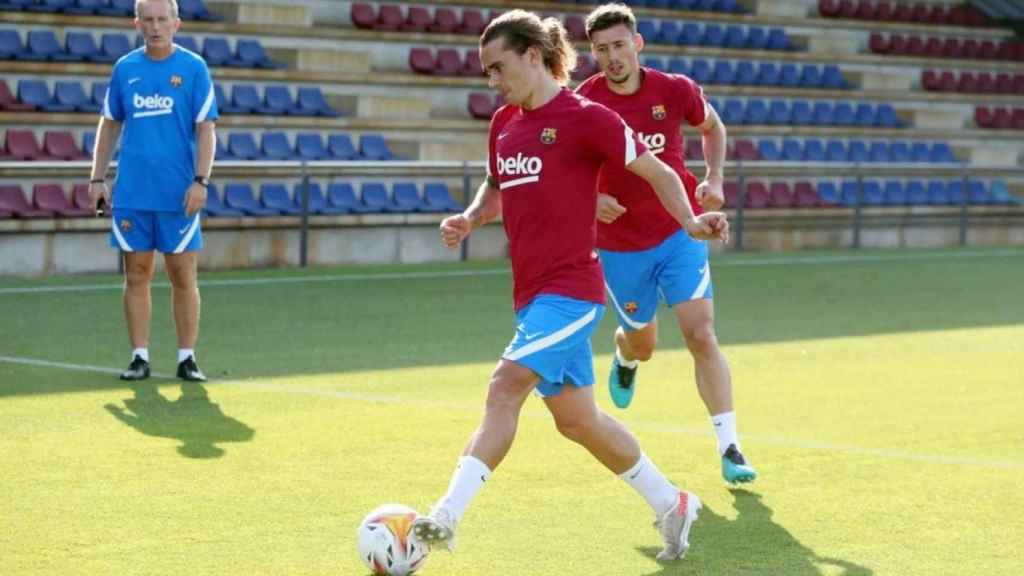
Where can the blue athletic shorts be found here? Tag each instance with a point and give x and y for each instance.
(146, 230)
(676, 270)
(553, 339)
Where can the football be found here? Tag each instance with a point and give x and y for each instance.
(386, 544)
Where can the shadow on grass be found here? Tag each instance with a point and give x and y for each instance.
(751, 544)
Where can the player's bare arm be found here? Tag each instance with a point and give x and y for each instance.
(608, 208)
(669, 188)
(486, 206)
(709, 192)
(107, 134)
(206, 144)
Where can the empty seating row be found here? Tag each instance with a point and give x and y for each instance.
(850, 193)
(187, 9)
(748, 73)
(999, 118)
(806, 113)
(444, 20)
(48, 201)
(483, 105)
(276, 100)
(934, 47)
(340, 198)
(445, 62)
(919, 12)
(308, 146)
(57, 145)
(693, 5)
(817, 150)
(67, 96)
(43, 45)
(974, 83)
(733, 36)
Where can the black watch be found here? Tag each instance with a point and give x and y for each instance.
(202, 180)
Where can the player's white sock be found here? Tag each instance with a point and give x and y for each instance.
(725, 430)
(141, 353)
(469, 477)
(184, 353)
(646, 479)
(623, 362)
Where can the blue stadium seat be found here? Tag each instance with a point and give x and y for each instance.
(42, 45)
(668, 32)
(407, 197)
(188, 43)
(690, 36)
(11, 45)
(756, 112)
(832, 78)
(274, 146)
(916, 193)
(373, 147)
(657, 64)
(823, 113)
(113, 46)
(864, 115)
(341, 195)
(341, 147)
(733, 112)
(36, 93)
(72, 93)
(858, 152)
(275, 197)
(777, 40)
(277, 101)
(250, 54)
(769, 150)
(735, 37)
(246, 98)
(879, 152)
(195, 10)
(894, 193)
(117, 8)
(14, 5)
(768, 74)
(937, 194)
(224, 105)
(843, 115)
(85, 6)
(49, 6)
(648, 29)
(242, 146)
(899, 151)
(723, 73)
(849, 194)
(828, 192)
(700, 71)
(789, 76)
(920, 152)
(941, 152)
(317, 201)
(801, 113)
(976, 193)
(792, 151)
(678, 66)
(375, 196)
(814, 150)
(99, 93)
(885, 116)
(835, 151)
(873, 195)
(82, 45)
(714, 35)
(810, 76)
(437, 198)
(955, 192)
(240, 197)
(1000, 194)
(216, 51)
(310, 146)
(729, 6)
(757, 38)
(778, 113)
(221, 152)
(746, 74)
(215, 207)
(311, 102)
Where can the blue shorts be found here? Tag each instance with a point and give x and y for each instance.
(553, 339)
(146, 230)
(677, 270)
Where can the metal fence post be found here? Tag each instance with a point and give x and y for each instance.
(741, 200)
(466, 183)
(304, 228)
(858, 211)
(964, 191)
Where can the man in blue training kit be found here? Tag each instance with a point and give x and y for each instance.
(161, 97)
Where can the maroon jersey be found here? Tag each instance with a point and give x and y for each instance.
(546, 162)
(656, 111)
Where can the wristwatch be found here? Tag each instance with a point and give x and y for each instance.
(202, 181)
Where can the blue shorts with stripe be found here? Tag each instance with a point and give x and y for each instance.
(675, 271)
(147, 230)
(553, 339)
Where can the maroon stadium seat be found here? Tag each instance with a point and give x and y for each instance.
(897, 44)
(933, 47)
(806, 195)
(920, 13)
(480, 105)
(957, 16)
(878, 44)
(576, 27)
(938, 14)
(757, 195)
(781, 196)
(983, 117)
(828, 8)
(847, 9)
(421, 60)
(1002, 119)
(80, 196)
(473, 22)
(948, 81)
(1004, 83)
(745, 150)
(8, 101)
(417, 19)
(22, 145)
(986, 83)
(883, 11)
(472, 66)
(389, 17)
(585, 68)
(61, 145)
(1018, 84)
(731, 192)
(445, 21)
(449, 63)
(987, 50)
(865, 10)
(51, 197)
(967, 83)
(976, 17)
(951, 48)
(1017, 118)
(915, 46)
(931, 81)
(364, 15)
(694, 150)
(12, 200)
(971, 48)
(902, 12)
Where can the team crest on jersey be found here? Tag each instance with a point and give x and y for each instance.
(126, 225)
(176, 81)
(548, 135)
(630, 307)
(658, 112)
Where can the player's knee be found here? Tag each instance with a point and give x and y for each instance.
(506, 394)
(701, 339)
(138, 276)
(643, 352)
(576, 429)
(181, 278)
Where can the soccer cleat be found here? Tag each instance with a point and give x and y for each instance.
(674, 526)
(187, 370)
(137, 370)
(436, 528)
(735, 469)
(620, 383)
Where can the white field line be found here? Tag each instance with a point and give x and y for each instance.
(776, 440)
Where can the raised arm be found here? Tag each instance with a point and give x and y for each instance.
(669, 188)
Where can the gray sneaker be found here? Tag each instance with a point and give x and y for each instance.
(436, 529)
(674, 527)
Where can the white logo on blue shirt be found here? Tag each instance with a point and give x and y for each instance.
(155, 105)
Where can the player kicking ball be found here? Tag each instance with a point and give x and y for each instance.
(644, 252)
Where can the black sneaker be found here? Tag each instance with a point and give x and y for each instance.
(187, 370)
(137, 370)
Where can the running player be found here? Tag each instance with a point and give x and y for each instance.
(643, 251)
(162, 99)
(546, 148)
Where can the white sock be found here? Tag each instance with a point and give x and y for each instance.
(141, 353)
(184, 353)
(469, 477)
(623, 362)
(725, 430)
(646, 479)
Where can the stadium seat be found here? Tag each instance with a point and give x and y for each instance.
(917, 194)
(977, 193)
(810, 76)
(955, 193)
(36, 93)
(217, 51)
(274, 146)
(757, 195)
(215, 207)
(113, 46)
(576, 27)
(777, 40)
(941, 153)
(220, 152)
(659, 65)
(249, 53)
(341, 147)
(701, 71)
(899, 151)
(196, 10)
(274, 196)
(648, 29)
(85, 6)
(11, 45)
(879, 152)
(814, 150)
(437, 198)
(61, 146)
(937, 193)
(373, 147)
(694, 150)
(375, 196)
(73, 94)
(277, 100)
(828, 193)
(857, 152)
(240, 197)
(668, 32)
(42, 45)
(805, 195)
(585, 68)
(117, 8)
(850, 193)
(769, 150)
(789, 76)
(822, 114)
(311, 102)
(363, 15)
(246, 99)
(472, 23)
(341, 196)
(310, 146)
(389, 17)
(99, 93)
(187, 42)
(746, 74)
(224, 104)
(843, 114)
(733, 112)
(872, 193)
(778, 113)
(448, 62)
(835, 151)
(713, 35)
(1000, 194)
(407, 197)
(11, 103)
(82, 45)
(48, 6)
(22, 145)
(864, 115)
(690, 35)
(242, 145)
(421, 60)
(317, 202)
(445, 21)
(472, 65)
(12, 200)
(919, 152)
(745, 150)
(792, 151)
(893, 193)
(723, 73)
(50, 197)
(756, 112)
(731, 192)
(480, 105)
(781, 196)
(832, 78)
(734, 38)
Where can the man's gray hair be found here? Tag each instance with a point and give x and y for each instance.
(173, 3)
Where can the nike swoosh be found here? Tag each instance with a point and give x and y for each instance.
(133, 81)
(532, 336)
(502, 135)
(703, 269)
(183, 230)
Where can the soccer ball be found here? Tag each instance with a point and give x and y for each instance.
(386, 544)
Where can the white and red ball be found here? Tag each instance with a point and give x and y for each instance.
(386, 543)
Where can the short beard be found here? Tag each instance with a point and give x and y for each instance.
(622, 81)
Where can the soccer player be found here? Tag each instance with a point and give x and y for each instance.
(161, 98)
(643, 251)
(546, 148)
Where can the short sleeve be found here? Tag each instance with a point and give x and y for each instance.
(690, 96)
(204, 102)
(113, 103)
(612, 139)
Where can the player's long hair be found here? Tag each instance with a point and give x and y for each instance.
(609, 16)
(521, 30)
